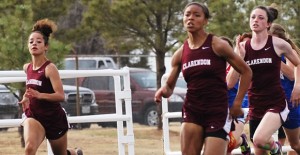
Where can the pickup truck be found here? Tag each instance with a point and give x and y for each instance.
(88, 62)
(143, 88)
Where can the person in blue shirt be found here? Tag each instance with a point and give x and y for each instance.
(237, 137)
(292, 124)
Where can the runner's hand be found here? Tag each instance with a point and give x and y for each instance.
(25, 103)
(236, 111)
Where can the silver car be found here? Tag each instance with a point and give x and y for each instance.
(9, 106)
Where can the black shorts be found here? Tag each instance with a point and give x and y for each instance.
(219, 134)
(253, 124)
(281, 133)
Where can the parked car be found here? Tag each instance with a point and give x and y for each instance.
(89, 62)
(87, 101)
(8, 105)
(143, 88)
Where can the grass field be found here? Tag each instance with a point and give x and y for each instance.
(99, 141)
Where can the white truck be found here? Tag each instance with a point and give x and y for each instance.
(89, 62)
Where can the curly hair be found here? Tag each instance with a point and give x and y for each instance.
(45, 27)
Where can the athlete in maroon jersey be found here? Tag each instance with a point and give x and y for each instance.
(291, 126)
(44, 114)
(202, 60)
(268, 107)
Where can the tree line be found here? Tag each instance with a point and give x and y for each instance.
(121, 26)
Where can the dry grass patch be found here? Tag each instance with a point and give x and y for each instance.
(99, 141)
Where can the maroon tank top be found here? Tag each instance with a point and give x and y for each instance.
(37, 80)
(265, 91)
(205, 74)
